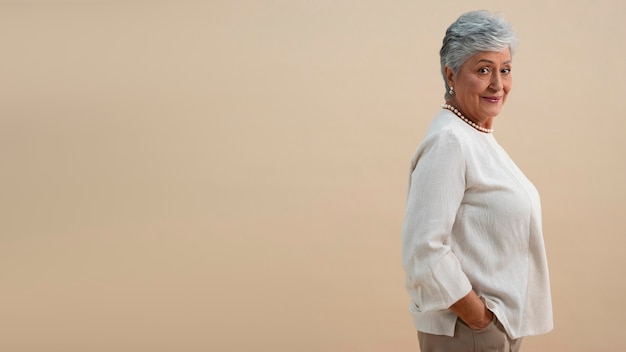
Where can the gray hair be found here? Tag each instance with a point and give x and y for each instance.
(470, 34)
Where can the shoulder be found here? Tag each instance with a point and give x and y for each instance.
(446, 131)
(445, 141)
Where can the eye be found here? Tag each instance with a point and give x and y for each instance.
(506, 71)
(484, 70)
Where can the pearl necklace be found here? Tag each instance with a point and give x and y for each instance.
(468, 121)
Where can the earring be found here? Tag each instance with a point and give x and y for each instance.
(451, 91)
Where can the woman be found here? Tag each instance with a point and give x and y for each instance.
(473, 250)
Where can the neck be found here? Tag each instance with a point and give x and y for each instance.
(468, 121)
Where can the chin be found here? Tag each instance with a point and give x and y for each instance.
(493, 111)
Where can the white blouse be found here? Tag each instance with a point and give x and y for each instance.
(473, 221)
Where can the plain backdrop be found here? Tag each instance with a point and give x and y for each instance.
(231, 175)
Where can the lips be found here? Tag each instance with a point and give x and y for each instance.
(492, 99)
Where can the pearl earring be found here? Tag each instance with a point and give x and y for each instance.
(451, 91)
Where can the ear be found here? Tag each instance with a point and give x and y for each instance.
(449, 75)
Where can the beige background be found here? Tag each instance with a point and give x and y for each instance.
(231, 175)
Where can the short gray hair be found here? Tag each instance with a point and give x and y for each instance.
(470, 34)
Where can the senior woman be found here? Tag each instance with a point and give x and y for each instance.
(473, 251)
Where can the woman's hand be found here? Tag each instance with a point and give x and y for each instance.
(472, 310)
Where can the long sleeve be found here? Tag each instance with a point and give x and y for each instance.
(434, 278)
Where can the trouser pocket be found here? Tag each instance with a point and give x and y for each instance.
(493, 338)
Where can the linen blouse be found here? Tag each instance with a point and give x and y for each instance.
(473, 221)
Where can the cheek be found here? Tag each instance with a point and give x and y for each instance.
(508, 84)
(507, 88)
(477, 86)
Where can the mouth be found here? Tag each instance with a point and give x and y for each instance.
(492, 99)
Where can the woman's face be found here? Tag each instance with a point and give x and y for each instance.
(482, 85)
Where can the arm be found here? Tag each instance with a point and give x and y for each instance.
(434, 277)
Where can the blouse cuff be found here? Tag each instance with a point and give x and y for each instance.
(452, 281)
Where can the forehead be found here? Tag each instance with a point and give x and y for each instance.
(495, 57)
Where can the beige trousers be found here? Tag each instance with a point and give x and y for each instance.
(492, 338)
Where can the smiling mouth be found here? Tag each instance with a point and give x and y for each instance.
(492, 99)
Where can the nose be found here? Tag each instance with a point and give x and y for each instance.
(496, 82)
